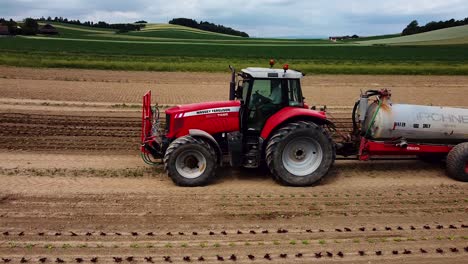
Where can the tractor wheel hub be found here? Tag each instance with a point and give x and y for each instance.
(190, 164)
(302, 156)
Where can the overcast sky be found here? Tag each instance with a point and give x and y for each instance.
(259, 18)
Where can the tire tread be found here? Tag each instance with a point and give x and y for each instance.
(456, 162)
(281, 134)
(182, 141)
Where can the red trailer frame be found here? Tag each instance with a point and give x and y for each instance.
(369, 148)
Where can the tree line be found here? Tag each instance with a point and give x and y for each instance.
(30, 26)
(120, 27)
(414, 28)
(207, 26)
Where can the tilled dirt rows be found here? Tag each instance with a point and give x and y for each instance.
(56, 129)
(117, 220)
(182, 87)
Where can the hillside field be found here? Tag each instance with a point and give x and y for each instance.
(446, 36)
(162, 47)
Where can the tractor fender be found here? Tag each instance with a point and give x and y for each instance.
(291, 114)
(211, 140)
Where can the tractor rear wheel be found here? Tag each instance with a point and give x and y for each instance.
(457, 162)
(300, 154)
(190, 162)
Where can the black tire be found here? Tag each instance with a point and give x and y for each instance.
(457, 162)
(293, 133)
(180, 159)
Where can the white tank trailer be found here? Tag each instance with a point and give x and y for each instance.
(382, 120)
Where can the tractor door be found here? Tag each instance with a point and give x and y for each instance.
(266, 97)
(262, 99)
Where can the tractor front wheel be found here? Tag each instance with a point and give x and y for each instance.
(190, 162)
(300, 154)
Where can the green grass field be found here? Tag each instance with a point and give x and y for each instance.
(161, 47)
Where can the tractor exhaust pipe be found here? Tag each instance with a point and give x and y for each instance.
(232, 84)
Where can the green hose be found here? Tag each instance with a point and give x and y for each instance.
(147, 160)
(373, 118)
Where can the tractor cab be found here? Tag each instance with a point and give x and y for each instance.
(263, 92)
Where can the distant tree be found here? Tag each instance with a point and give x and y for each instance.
(207, 26)
(354, 36)
(141, 22)
(412, 28)
(49, 18)
(184, 22)
(30, 27)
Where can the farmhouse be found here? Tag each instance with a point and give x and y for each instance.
(4, 30)
(48, 29)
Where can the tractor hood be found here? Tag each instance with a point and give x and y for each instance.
(203, 108)
(210, 117)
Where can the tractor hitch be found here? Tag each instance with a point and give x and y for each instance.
(151, 141)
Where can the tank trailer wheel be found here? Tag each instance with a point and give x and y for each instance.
(300, 154)
(190, 162)
(457, 162)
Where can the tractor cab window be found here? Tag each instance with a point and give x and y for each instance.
(266, 98)
(244, 88)
(294, 93)
(266, 92)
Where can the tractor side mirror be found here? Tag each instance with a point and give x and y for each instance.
(232, 84)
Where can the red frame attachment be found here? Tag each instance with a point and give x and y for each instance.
(370, 148)
(147, 116)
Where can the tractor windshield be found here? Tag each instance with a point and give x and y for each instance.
(267, 97)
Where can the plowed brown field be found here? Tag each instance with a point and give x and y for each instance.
(73, 189)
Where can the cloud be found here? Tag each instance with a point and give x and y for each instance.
(102, 15)
(262, 18)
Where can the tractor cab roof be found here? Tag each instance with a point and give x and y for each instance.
(268, 73)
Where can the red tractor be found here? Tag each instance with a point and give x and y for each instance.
(266, 121)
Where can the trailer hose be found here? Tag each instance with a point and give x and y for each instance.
(373, 117)
(355, 126)
(146, 158)
(367, 94)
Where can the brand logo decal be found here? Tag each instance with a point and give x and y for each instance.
(222, 111)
